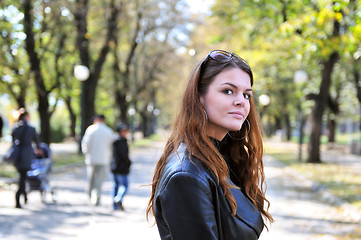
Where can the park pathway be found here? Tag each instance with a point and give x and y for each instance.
(73, 218)
(299, 212)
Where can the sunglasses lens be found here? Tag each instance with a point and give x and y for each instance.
(220, 55)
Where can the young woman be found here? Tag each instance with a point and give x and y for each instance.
(208, 184)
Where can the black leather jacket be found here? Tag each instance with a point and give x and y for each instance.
(189, 204)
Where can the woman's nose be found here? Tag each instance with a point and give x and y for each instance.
(239, 101)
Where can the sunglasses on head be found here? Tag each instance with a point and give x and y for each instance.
(223, 56)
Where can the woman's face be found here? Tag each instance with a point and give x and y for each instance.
(227, 102)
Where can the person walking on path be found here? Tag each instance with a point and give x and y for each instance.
(208, 184)
(120, 166)
(23, 135)
(1, 127)
(97, 144)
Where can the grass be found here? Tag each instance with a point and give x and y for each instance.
(345, 139)
(341, 180)
(9, 171)
(342, 139)
(67, 159)
(146, 142)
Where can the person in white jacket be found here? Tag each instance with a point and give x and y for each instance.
(97, 146)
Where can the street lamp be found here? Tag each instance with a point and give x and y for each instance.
(156, 112)
(264, 101)
(150, 107)
(192, 52)
(131, 112)
(82, 74)
(300, 77)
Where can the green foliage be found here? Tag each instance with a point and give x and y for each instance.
(278, 38)
(55, 35)
(58, 134)
(67, 159)
(7, 171)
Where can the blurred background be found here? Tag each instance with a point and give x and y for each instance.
(65, 60)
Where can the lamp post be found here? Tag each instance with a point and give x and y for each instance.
(358, 142)
(81, 73)
(149, 125)
(131, 112)
(299, 78)
(264, 100)
(156, 113)
(192, 52)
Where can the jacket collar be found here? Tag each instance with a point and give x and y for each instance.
(246, 211)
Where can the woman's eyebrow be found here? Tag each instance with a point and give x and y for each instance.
(234, 86)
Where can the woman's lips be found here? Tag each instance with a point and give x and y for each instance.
(236, 114)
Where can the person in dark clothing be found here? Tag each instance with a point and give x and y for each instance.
(1, 126)
(120, 166)
(23, 135)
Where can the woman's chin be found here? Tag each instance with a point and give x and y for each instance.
(235, 127)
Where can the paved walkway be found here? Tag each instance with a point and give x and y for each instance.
(299, 211)
(72, 217)
(304, 209)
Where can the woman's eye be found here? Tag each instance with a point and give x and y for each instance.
(228, 91)
(247, 96)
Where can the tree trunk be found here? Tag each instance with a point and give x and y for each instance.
(321, 102)
(288, 127)
(89, 86)
(42, 94)
(72, 117)
(331, 126)
(20, 102)
(146, 118)
(122, 84)
(123, 106)
(43, 108)
(82, 43)
(357, 80)
(278, 123)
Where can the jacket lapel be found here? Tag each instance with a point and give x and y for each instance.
(247, 212)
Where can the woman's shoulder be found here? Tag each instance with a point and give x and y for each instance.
(181, 164)
(182, 160)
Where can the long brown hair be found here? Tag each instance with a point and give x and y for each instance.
(190, 128)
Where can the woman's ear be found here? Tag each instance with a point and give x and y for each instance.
(201, 99)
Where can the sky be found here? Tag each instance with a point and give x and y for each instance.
(200, 6)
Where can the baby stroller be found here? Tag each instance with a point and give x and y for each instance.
(38, 176)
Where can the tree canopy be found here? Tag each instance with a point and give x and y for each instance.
(139, 53)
